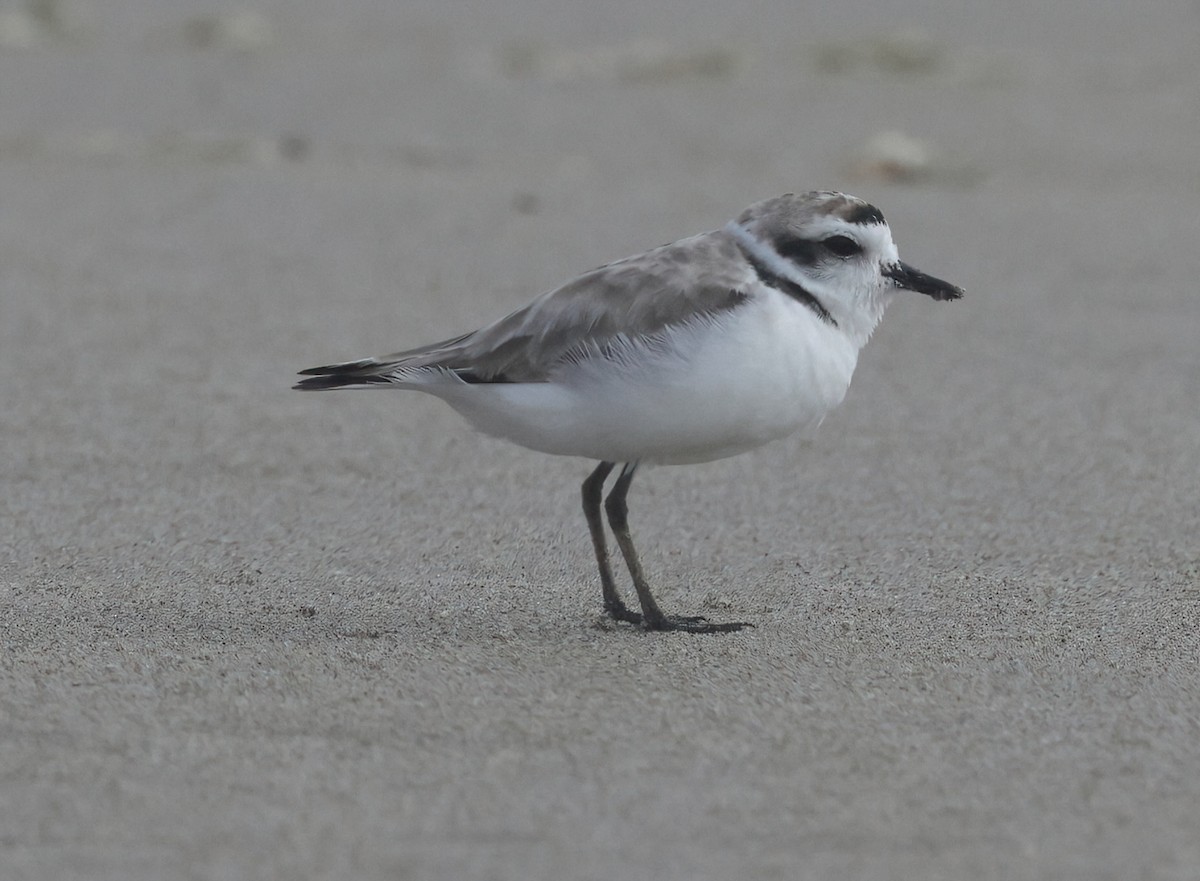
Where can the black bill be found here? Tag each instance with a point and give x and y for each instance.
(913, 280)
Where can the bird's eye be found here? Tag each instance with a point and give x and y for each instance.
(842, 246)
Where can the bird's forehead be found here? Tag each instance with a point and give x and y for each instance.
(844, 207)
(821, 225)
(874, 237)
(815, 210)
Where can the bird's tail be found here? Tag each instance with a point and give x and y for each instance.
(366, 372)
(413, 368)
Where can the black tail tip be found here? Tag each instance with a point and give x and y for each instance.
(319, 378)
(339, 375)
(317, 383)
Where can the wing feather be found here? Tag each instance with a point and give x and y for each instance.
(633, 300)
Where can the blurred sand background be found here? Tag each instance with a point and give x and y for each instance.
(248, 633)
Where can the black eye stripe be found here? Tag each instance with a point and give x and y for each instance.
(807, 252)
(842, 246)
(803, 251)
(794, 290)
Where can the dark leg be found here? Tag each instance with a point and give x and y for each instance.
(653, 617)
(593, 490)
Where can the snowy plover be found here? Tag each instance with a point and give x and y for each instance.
(700, 349)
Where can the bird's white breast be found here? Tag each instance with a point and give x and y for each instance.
(708, 389)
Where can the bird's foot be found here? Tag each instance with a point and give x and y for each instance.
(693, 624)
(618, 611)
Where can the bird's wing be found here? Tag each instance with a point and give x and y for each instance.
(631, 300)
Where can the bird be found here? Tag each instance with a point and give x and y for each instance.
(693, 351)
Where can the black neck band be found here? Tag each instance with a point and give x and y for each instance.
(796, 291)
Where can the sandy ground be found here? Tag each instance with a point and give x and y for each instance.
(249, 633)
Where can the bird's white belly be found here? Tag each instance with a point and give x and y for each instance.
(715, 388)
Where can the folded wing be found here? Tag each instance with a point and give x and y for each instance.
(630, 301)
